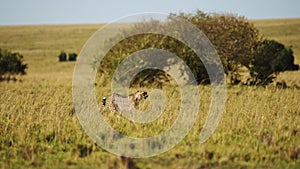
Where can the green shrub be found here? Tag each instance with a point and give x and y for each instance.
(72, 57)
(270, 59)
(11, 64)
(62, 56)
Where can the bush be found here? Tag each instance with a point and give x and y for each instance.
(270, 59)
(62, 57)
(72, 56)
(11, 64)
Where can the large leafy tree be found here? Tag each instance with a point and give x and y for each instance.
(241, 47)
(234, 38)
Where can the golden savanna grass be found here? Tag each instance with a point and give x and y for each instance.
(259, 128)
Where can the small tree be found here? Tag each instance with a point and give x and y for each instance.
(11, 64)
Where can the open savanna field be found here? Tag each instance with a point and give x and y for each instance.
(260, 127)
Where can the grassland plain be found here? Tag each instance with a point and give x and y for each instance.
(259, 129)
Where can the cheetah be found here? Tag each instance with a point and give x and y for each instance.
(117, 102)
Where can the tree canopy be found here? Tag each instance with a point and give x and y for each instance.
(241, 48)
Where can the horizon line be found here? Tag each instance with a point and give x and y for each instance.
(104, 23)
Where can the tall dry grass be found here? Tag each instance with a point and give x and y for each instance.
(259, 128)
